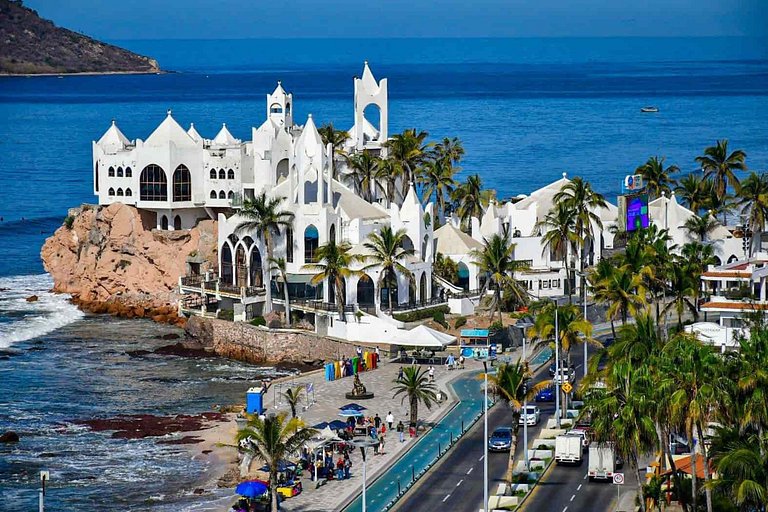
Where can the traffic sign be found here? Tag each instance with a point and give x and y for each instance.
(567, 387)
(618, 478)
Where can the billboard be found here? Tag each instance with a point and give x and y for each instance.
(637, 212)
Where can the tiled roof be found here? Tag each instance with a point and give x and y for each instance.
(734, 305)
(726, 273)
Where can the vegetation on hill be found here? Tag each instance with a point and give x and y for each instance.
(30, 44)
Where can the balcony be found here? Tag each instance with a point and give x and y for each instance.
(414, 306)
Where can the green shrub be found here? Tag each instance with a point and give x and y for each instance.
(226, 314)
(259, 320)
(69, 221)
(412, 316)
(460, 322)
(439, 317)
(497, 326)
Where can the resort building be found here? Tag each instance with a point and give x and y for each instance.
(736, 289)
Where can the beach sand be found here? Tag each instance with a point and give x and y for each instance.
(222, 465)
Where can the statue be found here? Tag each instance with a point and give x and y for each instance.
(358, 390)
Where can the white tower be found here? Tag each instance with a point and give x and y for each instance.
(280, 107)
(369, 92)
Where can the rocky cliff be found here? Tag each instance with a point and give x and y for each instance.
(30, 44)
(111, 260)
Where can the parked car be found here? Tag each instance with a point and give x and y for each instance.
(531, 415)
(501, 439)
(563, 364)
(545, 395)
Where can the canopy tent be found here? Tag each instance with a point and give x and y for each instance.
(423, 336)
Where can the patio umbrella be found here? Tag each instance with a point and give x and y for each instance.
(352, 407)
(337, 425)
(251, 488)
(322, 425)
(347, 413)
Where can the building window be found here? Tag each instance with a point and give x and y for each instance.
(111, 192)
(119, 172)
(230, 174)
(120, 192)
(128, 172)
(311, 242)
(213, 194)
(222, 195)
(231, 195)
(128, 192)
(213, 174)
(97, 176)
(153, 185)
(111, 172)
(222, 174)
(289, 245)
(177, 223)
(164, 223)
(182, 184)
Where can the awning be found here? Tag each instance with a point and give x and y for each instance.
(423, 336)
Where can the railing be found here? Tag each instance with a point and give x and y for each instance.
(367, 308)
(191, 280)
(437, 301)
(253, 291)
(319, 305)
(227, 288)
(467, 293)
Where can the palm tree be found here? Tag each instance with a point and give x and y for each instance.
(409, 151)
(293, 397)
(389, 172)
(681, 287)
(558, 228)
(697, 258)
(333, 265)
(721, 167)
(446, 268)
(694, 191)
(657, 178)
(619, 287)
(573, 329)
(449, 149)
(496, 260)
(699, 227)
(336, 138)
(741, 459)
(585, 203)
(362, 174)
(263, 216)
(387, 252)
(471, 199)
(436, 179)
(278, 265)
(718, 204)
(416, 387)
(753, 199)
(272, 440)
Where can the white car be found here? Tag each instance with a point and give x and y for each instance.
(530, 415)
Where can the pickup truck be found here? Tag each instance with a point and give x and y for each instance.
(603, 461)
(568, 449)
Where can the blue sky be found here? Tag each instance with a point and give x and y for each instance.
(235, 19)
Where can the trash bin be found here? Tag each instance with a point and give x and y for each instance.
(254, 400)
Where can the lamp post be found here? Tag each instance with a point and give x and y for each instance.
(363, 444)
(485, 431)
(558, 377)
(523, 327)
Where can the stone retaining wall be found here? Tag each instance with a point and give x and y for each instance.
(244, 342)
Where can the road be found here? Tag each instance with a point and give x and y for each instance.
(457, 481)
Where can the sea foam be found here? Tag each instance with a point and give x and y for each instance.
(21, 320)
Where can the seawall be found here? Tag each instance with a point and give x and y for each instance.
(250, 344)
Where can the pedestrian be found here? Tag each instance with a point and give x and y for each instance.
(340, 469)
(378, 355)
(431, 373)
(390, 419)
(359, 350)
(401, 431)
(411, 431)
(461, 361)
(400, 373)
(377, 421)
(382, 440)
(347, 465)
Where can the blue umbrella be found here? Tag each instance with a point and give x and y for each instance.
(348, 412)
(321, 425)
(337, 425)
(251, 488)
(352, 407)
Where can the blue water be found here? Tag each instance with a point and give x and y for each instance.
(527, 110)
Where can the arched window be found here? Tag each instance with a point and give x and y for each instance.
(177, 222)
(366, 292)
(164, 223)
(230, 195)
(408, 243)
(226, 264)
(289, 245)
(287, 108)
(153, 185)
(120, 192)
(119, 172)
(311, 242)
(222, 195)
(423, 288)
(257, 273)
(213, 174)
(128, 172)
(111, 172)
(128, 192)
(332, 233)
(213, 194)
(182, 184)
(463, 276)
(282, 170)
(222, 174)
(96, 179)
(230, 174)
(111, 192)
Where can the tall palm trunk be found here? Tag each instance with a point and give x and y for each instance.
(414, 410)
(389, 290)
(273, 487)
(694, 479)
(267, 270)
(707, 475)
(640, 482)
(340, 299)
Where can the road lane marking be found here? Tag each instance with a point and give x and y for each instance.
(470, 470)
(481, 458)
(446, 497)
(572, 497)
(566, 508)
(458, 484)
(579, 487)
(585, 476)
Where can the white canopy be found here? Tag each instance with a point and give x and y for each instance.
(423, 336)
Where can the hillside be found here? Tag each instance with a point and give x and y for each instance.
(30, 44)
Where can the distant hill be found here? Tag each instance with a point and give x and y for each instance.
(30, 44)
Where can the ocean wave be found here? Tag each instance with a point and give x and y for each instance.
(21, 320)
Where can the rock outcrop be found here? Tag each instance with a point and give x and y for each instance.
(111, 260)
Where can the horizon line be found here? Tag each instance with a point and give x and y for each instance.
(300, 38)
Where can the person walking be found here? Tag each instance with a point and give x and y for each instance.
(347, 466)
(377, 421)
(378, 355)
(390, 419)
(382, 439)
(400, 373)
(432, 373)
(401, 431)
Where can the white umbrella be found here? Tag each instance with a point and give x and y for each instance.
(423, 336)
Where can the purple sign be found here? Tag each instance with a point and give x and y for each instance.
(637, 212)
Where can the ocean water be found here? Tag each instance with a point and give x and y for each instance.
(527, 110)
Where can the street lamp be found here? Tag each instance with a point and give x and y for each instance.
(486, 360)
(583, 276)
(363, 444)
(523, 327)
(558, 377)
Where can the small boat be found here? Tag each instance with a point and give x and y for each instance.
(649, 109)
